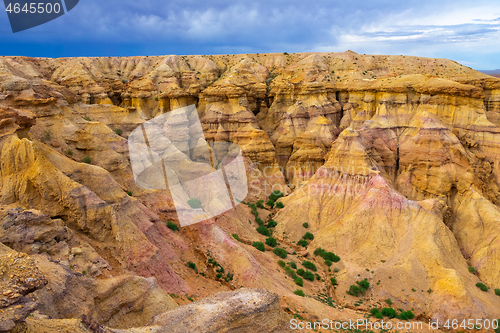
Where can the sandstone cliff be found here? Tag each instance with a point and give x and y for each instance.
(390, 161)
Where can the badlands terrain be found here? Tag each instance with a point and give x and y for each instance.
(388, 165)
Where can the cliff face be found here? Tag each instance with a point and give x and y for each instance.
(392, 161)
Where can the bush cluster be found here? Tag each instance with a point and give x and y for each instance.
(302, 243)
(280, 252)
(298, 281)
(326, 255)
(482, 286)
(299, 292)
(305, 274)
(272, 199)
(259, 246)
(359, 289)
(271, 242)
(271, 224)
(309, 265)
(292, 264)
(263, 231)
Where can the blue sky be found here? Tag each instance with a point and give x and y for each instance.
(465, 31)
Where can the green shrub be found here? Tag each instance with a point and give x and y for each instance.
(290, 272)
(235, 236)
(156, 98)
(87, 118)
(388, 301)
(355, 290)
(279, 205)
(259, 221)
(172, 226)
(118, 131)
(218, 275)
(305, 225)
(192, 265)
(260, 203)
(389, 312)
(373, 311)
(271, 242)
(259, 246)
(263, 231)
(301, 272)
(308, 276)
(406, 315)
(319, 252)
(364, 284)
(280, 252)
(69, 152)
(328, 263)
(84, 272)
(281, 263)
(194, 203)
(379, 315)
(308, 235)
(270, 203)
(302, 243)
(497, 292)
(292, 264)
(271, 224)
(298, 281)
(299, 292)
(336, 269)
(472, 270)
(86, 159)
(309, 265)
(333, 281)
(317, 276)
(275, 195)
(482, 286)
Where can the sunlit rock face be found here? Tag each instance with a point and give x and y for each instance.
(390, 162)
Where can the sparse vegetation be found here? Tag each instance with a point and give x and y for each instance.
(235, 236)
(326, 255)
(292, 264)
(172, 226)
(298, 281)
(260, 204)
(333, 281)
(129, 193)
(69, 152)
(87, 118)
(118, 131)
(281, 263)
(497, 292)
(192, 265)
(86, 159)
(305, 225)
(290, 272)
(472, 270)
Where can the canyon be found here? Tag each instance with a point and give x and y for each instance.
(388, 162)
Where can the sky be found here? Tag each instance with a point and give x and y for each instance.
(464, 31)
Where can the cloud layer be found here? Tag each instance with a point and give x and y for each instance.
(460, 30)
